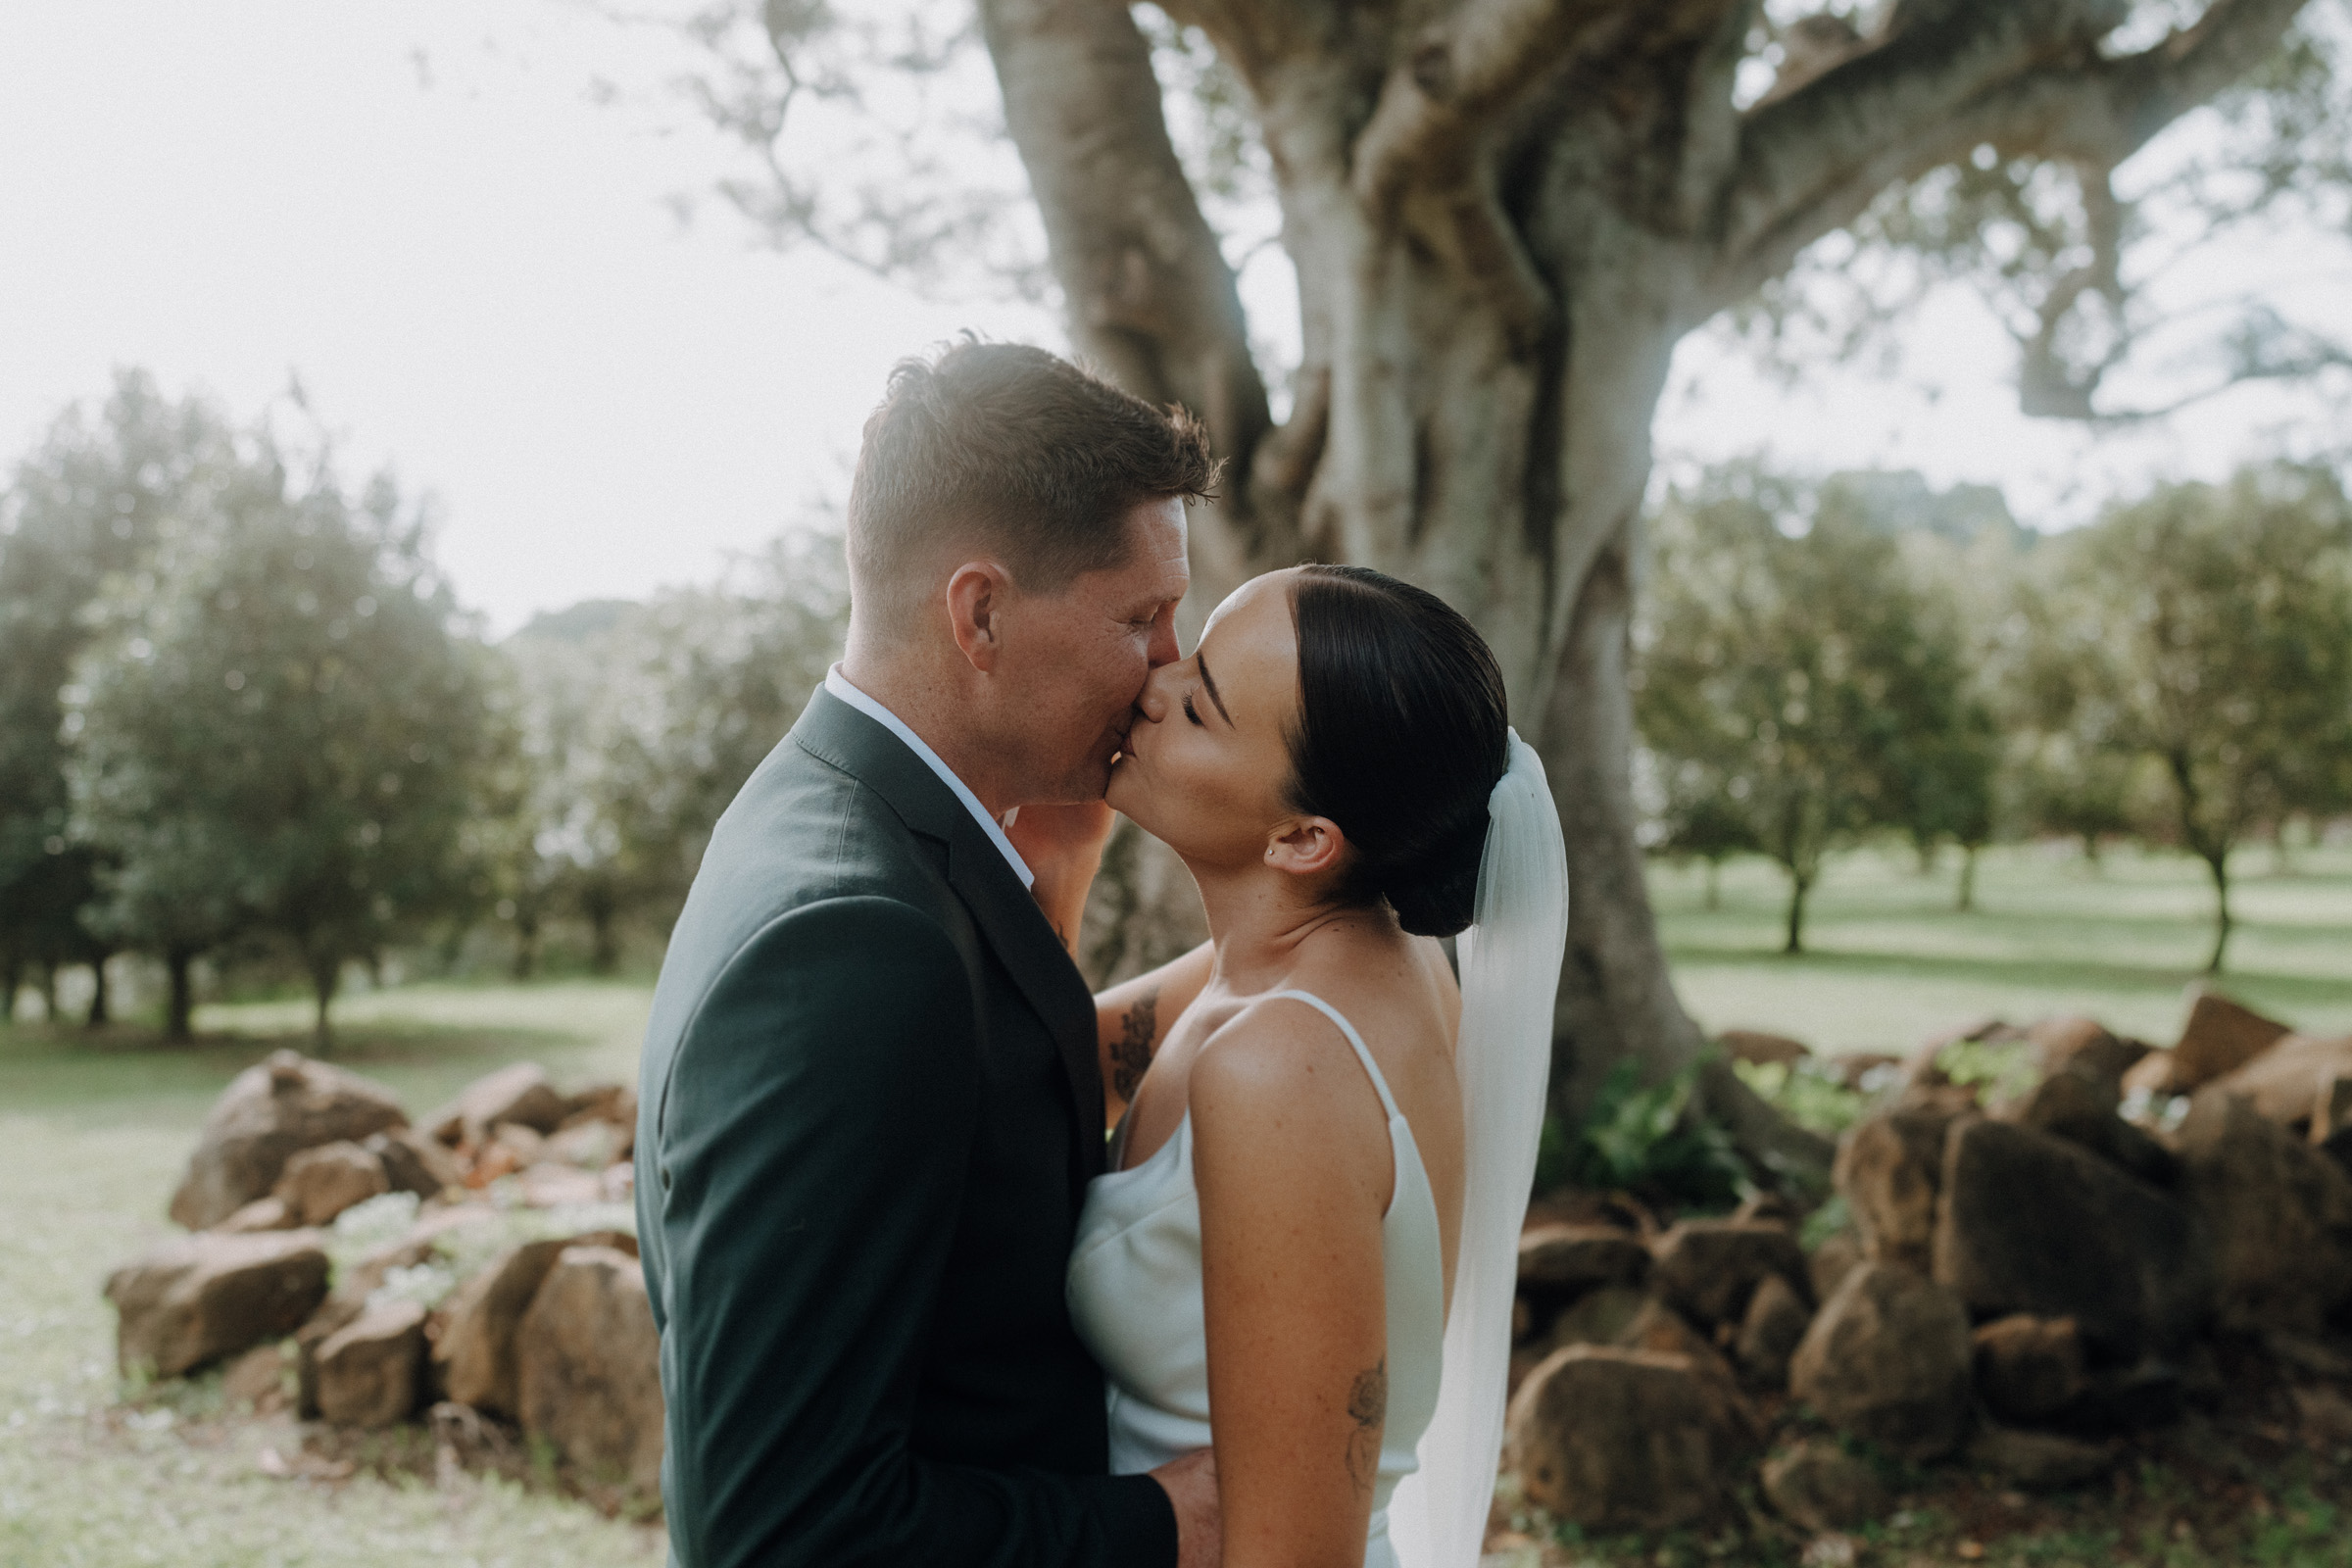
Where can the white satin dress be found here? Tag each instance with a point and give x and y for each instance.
(1135, 1300)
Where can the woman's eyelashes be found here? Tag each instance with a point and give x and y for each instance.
(1190, 711)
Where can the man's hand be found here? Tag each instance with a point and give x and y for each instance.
(1190, 1484)
(1062, 845)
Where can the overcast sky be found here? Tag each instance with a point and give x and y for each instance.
(470, 262)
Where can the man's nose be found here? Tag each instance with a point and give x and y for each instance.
(1163, 638)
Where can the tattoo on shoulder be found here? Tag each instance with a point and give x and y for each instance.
(1131, 1053)
(1368, 1412)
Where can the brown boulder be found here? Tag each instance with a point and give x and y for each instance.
(1600, 1317)
(2219, 1036)
(1838, 1254)
(1761, 1049)
(2031, 1223)
(2072, 1043)
(2332, 1106)
(2030, 1368)
(473, 1332)
(1863, 1070)
(369, 1369)
(1887, 1358)
(2285, 1081)
(261, 1214)
(269, 1113)
(2279, 1212)
(416, 1163)
(1567, 1259)
(1817, 1486)
(2037, 1460)
(613, 1103)
(589, 1144)
(1889, 1168)
(2081, 1109)
(1769, 1335)
(1624, 1440)
(520, 1094)
(588, 1366)
(1708, 1268)
(196, 1299)
(1659, 1328)
(321, 1183)
(257, 1379)
(548, 1184)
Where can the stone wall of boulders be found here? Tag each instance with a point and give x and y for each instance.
(2034, 1264)
(363, 1267)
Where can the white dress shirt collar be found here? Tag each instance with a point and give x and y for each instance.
(839, 685)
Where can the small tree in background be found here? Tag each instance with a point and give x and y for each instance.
(279, 726)
(84, 505)
(2209, 629)
(1801, 670)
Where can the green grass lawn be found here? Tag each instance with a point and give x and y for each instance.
(1889, 961)
(94, 1132)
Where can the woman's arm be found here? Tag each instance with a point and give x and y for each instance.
(1292, 1160)
(1135, 1016)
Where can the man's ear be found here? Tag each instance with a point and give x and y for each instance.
(977, 594)
(1305, 846)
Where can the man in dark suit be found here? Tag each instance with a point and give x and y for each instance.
(871, 1093)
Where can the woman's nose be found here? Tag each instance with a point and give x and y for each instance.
(1155, 701)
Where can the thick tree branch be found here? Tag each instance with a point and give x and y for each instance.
(2021, 75)
(1151, 296)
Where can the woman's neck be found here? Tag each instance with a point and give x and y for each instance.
(1261, 923)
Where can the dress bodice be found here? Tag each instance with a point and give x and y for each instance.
(1135, 1300)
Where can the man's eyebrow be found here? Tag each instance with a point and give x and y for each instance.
(1201, 664)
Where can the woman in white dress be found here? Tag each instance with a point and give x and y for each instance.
(1310, 1144)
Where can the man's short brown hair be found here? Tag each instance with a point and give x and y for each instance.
(1033, 458)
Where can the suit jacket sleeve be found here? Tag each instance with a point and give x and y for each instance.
(813, 1144)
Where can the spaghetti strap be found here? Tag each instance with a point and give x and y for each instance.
(1362, 1054)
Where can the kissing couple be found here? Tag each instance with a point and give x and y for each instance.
(958, 1266)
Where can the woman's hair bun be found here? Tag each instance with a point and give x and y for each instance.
(1403, 731)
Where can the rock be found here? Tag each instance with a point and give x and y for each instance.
(421, 1245)
(1708, 1268)
(196, 1299)
(2072, 1043)
(2285, 1082)
(1762, 1049)
(1887, 1358)
(2279, 1212)
(416, 1163)
(1614, 1440)
(267, 1114)
(257, 1379)
(2219, 1037)
(2332, 1106)
(369, 1370)
(1598, 1318)
(2324, 1414)
(1566, 1258)
(335, 1314)
(1838, 1256)
(2072, 1106)
(321, 1183)
(2030, 1368)
(1889, 1168)
(1657, 1327)
(1769, 1335)
(588, 1366)
(552, 1185)
(1768, 1209)
(1817, 1486)
(527, 1145)
(261, 1214)
(613, 1103)
(2147, 1394)
(2031, 1223)
(2037, 1460)
(520, 1094)
(473, 1332)
(2316, 1357)
(589, 1144)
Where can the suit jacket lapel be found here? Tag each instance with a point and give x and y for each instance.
(1007, 916)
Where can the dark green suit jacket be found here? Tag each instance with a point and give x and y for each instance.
(870, 1106)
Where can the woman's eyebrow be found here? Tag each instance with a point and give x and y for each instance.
(1210, 686)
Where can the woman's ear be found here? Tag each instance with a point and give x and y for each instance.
(1305, 846)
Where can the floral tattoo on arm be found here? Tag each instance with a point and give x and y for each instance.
(1131, 1053)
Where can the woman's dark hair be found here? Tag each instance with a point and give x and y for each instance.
(1403, 734)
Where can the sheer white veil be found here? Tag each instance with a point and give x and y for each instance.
(1510, 971)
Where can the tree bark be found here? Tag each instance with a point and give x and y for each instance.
(1798, 887)
(2219, 865)
(1967, 901)
(326, 977)
(49, 992)
(179, 1004)
(100, 1011)
(12, 976)
(1714, 899)
(526, 946)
